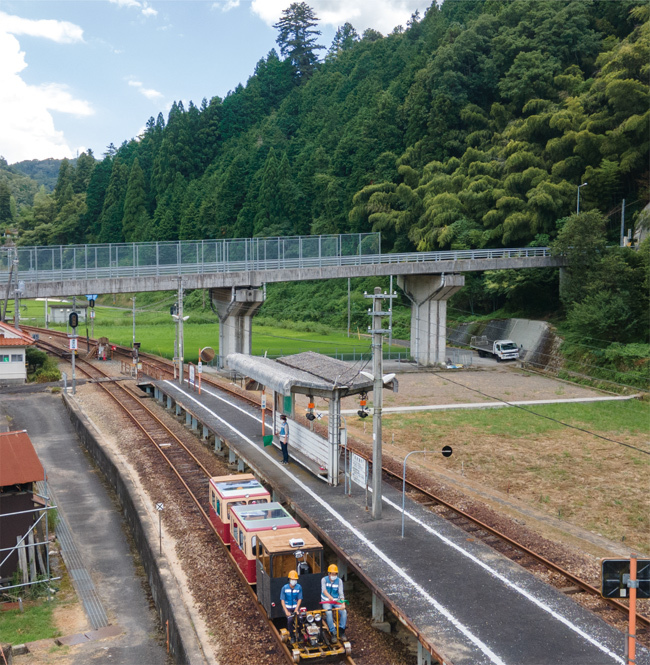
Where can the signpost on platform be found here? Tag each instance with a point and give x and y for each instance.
(91, 302)
(160, 507)
(446, 452)
(623, 578)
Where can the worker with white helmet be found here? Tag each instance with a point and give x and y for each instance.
(291, 599)
(333, 597)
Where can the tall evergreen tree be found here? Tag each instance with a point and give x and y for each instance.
(344, 40)
(136, 219)
(83, 172)
(297, 38)
(113, 209)
(95, 194)
(5, 204)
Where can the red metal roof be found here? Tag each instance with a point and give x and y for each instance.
(15, 334)
(19, 462)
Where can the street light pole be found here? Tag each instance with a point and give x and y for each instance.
(584, 184)
(404, 484)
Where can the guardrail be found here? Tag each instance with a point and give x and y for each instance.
(73, 262)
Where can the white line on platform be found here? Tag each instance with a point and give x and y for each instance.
(507, 582)
(495, 405)
(403, 574)
(473, 638)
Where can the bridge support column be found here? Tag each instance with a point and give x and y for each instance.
(236, 307)
(428, 295)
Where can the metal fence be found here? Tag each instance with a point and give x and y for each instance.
(57, 262)
(186, 257)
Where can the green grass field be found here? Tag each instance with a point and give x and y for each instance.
(632, 417)
(35, 623)
(155, 331)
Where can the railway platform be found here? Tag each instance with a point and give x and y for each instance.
(467, 604)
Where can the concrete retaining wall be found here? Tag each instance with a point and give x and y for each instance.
(536, 337)
(184, 644)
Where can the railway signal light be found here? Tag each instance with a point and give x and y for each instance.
(73, 320)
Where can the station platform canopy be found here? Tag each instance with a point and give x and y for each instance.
(307, 373)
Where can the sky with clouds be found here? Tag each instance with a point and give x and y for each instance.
(79, 74)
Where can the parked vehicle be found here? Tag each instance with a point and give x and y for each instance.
(501, 349)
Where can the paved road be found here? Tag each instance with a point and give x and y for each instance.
(98, 531)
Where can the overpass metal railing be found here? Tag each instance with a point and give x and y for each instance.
(67, 262)
(59, 263)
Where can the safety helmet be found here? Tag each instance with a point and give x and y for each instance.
(333, 569)
(293, 575)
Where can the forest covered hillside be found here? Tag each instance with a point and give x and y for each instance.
(471, 126)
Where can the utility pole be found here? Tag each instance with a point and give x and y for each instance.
(377, 398)
(584, 184)
(16, 294)
(623, 224)
(348, 307)
(181, 347)
(133, 345)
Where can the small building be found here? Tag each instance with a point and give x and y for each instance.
(19, 471)
(13, 343)
(60, 313)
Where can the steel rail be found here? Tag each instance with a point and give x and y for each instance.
(513, 543)
(60, 351)
(585, 586)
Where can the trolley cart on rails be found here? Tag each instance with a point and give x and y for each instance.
(279, 553)
(246, 525)
(229, 491)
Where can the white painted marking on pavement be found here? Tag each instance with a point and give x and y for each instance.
(403, 574)
(400, 571)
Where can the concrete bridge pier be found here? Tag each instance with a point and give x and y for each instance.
(236, 307)
(428, 295)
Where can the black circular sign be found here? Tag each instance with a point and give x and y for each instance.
(446, 451)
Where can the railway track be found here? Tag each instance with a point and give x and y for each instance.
(561, 578)
(188, 469)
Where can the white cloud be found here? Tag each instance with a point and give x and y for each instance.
(27, 129)
(144, 6)
(382, 15)
(147, 10)
(149, 93)
(61, 32)
(226, 5)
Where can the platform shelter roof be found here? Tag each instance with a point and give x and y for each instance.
(20, 463)
(308, 373)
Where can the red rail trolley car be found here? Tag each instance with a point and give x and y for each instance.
(229, 491)
(248, 521)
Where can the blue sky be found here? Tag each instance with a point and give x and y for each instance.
(80, 74)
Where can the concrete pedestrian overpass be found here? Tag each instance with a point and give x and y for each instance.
(236, 270)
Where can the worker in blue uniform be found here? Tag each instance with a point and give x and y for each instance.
(291, 599)
(332, 597)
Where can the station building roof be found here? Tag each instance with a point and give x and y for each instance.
(20, 463)
(307, 373)
(10, 336)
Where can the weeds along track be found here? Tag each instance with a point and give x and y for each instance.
(171, 453)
